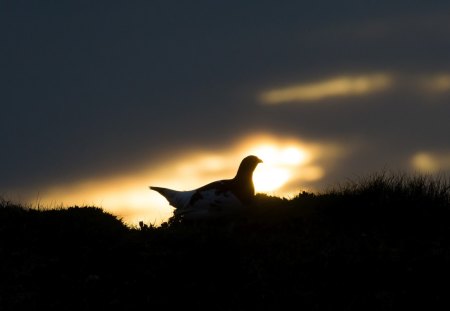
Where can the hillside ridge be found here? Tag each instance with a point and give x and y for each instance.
(382, 242)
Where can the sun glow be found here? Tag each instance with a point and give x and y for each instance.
(268, 179)
(277, 168)
(287, 165)
(431, 162)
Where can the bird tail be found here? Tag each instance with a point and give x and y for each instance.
(176, 198)
(159, 189)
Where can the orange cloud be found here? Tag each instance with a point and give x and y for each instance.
(431, 162)
(340, 86)
(285, 160)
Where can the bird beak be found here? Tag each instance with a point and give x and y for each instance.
(260, 161)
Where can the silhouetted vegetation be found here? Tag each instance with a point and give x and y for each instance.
(379, 243)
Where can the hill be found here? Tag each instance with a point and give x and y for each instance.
(380, 243)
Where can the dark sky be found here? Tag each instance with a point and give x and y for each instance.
(97, 88)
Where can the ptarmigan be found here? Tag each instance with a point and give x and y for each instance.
(215, 199)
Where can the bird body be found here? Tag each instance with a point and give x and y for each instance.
(216, 199)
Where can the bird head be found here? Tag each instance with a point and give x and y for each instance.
(247, 166)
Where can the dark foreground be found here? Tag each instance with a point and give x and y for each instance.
(379, 244)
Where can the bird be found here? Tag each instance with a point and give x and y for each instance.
(216, 199)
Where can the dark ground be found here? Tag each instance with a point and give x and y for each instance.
(382, 243)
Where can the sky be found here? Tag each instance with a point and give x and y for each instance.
(100, 99)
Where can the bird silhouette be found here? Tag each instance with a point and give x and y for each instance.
(216, 199)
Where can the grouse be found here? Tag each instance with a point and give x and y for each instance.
(216, 199)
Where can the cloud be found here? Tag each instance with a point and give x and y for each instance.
(358, 85)
(435, 83)
(289, 164)
(340, 86)
(431, 162)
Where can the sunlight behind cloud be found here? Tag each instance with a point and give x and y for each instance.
(286, 161)
(280, 161)
(429, 162)
(333, 87)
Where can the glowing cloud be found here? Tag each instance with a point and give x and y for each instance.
(436, 83)
(429, 162)
(333, 87)
(287, 162)
(279, 164)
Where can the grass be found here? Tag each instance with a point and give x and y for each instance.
(377, 243)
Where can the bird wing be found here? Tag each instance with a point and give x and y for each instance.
(210, 202)
(213, 200)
